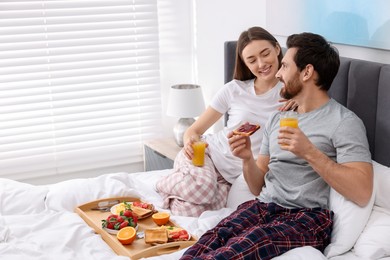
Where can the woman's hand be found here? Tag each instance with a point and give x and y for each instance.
(289, 104)
(187, 148)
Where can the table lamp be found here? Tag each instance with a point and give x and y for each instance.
(186, 102)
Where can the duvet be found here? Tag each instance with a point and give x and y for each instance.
(39, 222)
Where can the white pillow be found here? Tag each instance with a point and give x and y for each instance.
(374, 242)
(348, 223)
(18, 198)
(67, 195)
(302, 253)
(239, 193)
(382, 177)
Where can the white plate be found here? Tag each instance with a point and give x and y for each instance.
(178, 229)
(114, 231)
(113, 209)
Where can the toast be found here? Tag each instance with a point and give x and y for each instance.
(246, 129)
(140, 212)
(156, 236)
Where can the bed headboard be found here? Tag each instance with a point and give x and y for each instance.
(363, 87)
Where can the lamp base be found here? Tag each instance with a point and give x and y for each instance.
(180, 128)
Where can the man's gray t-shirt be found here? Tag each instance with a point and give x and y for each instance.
(291, 182)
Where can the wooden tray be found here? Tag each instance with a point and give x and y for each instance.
(138, 248)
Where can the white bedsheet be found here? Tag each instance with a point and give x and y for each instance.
(38, 222)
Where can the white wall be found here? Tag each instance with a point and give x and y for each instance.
(207, 24)
(214, 23)
(218, 21)
(176, 50)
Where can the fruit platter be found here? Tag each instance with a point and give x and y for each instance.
(126, 232)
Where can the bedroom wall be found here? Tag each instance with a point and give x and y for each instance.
(192, 33)
(218, 21)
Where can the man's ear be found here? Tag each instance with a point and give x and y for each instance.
(308, 72)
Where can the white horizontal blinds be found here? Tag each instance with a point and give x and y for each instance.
(79, 84)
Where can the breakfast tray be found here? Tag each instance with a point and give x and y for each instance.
(138, 249)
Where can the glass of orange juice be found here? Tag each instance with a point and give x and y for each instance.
(289, 118)
(199, 147)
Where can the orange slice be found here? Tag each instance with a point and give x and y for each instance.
(126, 235)
(161, 218)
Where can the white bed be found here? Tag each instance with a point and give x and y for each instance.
(38, 222)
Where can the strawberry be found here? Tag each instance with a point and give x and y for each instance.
(112, 218)
(111, 225)
(135, 219)
(124, 224)
(175, 235)
(108, 224)
(183, 237)
(128, 213)
(183, 232)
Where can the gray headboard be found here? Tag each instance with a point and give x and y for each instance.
(363, 87)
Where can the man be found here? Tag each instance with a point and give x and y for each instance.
(329, 149)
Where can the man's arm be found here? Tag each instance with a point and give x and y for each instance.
(353, 180)
(254, 171)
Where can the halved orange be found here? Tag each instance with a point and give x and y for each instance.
(161, 218)
(126, 235)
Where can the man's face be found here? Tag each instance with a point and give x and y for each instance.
(289, 75)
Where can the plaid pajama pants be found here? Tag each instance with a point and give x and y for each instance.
(259, 230)
(191, 190)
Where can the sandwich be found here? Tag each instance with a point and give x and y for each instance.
(141, 212)
(156, 236)
(246, 129)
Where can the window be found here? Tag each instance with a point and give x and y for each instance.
(79, 84)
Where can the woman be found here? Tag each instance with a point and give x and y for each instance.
(252, 96)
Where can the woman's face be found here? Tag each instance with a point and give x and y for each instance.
(261, 58)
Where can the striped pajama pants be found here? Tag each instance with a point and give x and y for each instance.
(259, 230)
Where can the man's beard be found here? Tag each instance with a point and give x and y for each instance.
(291, 88)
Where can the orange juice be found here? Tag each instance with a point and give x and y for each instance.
(199, 152)
(291, 122)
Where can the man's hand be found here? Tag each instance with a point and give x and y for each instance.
(295, 141)
(240, 146)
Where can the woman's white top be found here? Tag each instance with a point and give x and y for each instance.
(239, 100)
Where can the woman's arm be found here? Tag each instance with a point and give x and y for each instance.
(199, 127)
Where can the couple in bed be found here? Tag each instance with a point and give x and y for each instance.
(329, 149)
(252, 96)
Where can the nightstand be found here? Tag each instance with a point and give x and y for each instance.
(159, 154)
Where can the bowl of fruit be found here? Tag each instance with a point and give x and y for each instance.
(115, 222)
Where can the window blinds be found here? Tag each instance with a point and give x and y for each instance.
(79, 84)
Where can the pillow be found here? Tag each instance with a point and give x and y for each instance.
(18, 198)
(374, 242)
(382, 176)
(349, 222)
(67, 195)
(239, 193)
(301, 253)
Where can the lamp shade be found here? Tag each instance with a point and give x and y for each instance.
(185, 101)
